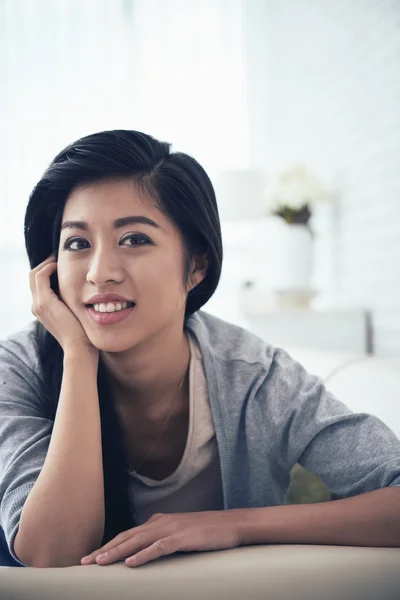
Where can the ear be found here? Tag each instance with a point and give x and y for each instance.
(198, 271)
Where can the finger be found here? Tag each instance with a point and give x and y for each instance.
(48, 260)
(119, 539)
(160, 548)
(124, 536)
(91, 558)
(125, 549)
(33, 273)
(43, 286)
(42, 277)
(118, 544)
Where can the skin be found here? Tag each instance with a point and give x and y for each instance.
(147, 353)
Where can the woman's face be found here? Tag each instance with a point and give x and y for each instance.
(116, 242)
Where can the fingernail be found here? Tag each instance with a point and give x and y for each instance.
(86, 559)
(102, 556)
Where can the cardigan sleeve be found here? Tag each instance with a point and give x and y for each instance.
(352, 453)
(24, 430)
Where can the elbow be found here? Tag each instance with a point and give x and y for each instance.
(32, 556)
(39, 561)
(53, 562)
(44, 563)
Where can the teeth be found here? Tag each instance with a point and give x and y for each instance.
(110, 307)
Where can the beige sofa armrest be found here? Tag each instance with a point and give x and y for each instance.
(275, 572)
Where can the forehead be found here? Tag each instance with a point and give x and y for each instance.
(104, 201)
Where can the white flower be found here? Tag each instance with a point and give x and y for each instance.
(294, 188)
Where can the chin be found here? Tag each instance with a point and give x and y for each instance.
(111, 342)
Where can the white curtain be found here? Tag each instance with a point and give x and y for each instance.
(71, 67)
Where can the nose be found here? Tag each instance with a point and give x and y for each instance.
(104, 267)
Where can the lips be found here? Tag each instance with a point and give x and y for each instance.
(109, 318)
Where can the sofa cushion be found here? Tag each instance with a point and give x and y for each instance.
(306, 487)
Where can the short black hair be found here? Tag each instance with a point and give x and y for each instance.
(176, 181)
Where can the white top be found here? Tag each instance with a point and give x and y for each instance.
(196, 484)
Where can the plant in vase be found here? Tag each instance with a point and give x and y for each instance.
(291, 197)
(293, 193)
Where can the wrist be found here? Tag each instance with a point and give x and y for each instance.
(253, 526)
(81, 354)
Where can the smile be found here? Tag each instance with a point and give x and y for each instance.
(110, 313)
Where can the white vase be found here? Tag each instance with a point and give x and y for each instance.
(292, 258)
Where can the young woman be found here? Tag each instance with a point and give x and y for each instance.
(134, 424)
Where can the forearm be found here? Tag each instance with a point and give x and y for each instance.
(371, 519)
(63, 516)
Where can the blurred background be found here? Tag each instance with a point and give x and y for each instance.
(292, 107)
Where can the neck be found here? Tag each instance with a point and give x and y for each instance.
(142, 377)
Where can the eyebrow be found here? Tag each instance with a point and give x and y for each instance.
(117, 224)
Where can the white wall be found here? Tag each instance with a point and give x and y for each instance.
(69, 68)
(324, 87)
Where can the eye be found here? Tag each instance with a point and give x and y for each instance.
(135, 239)
(78, 242)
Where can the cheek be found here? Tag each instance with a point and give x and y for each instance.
(69, 281)
(163, 279)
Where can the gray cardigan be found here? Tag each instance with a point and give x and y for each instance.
(268, 414)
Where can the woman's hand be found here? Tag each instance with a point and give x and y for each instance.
(52, 312)
(165, 534)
